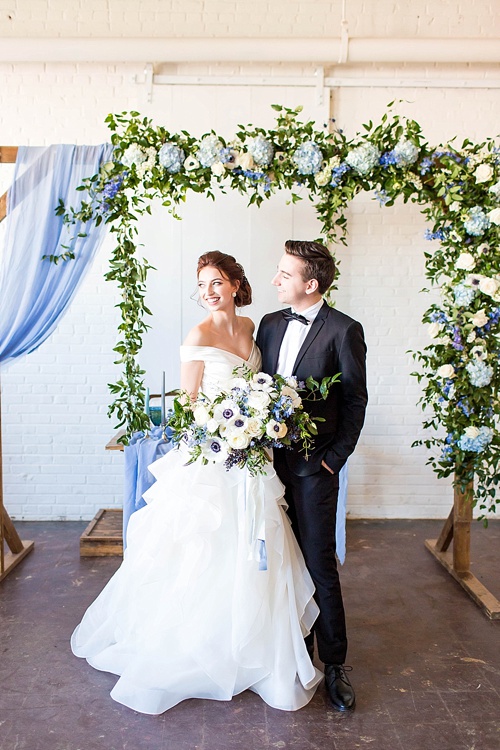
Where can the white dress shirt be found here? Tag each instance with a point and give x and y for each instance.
(294, 337)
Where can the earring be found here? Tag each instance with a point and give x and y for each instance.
(234, 294)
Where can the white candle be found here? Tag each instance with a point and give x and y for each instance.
(163, 398)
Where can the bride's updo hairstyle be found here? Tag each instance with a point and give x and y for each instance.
(230, 269)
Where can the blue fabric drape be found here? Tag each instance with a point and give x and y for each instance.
(34, 293)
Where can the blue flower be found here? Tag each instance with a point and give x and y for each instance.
(439, 235)
(382, 197)
(426, 165)
(262, 151)
(477, 222)
(463, 295)
(171, 157)
(478, 443)
(338, 173)
(308, 158)
(480, 374)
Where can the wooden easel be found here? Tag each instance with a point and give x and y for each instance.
(8, 534)
(457, 562)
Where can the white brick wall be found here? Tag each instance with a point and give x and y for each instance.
(54, 402)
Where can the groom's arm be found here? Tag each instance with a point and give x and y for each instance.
(354, 397)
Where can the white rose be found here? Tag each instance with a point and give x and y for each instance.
(292, 382)
(434, 329)
(465, 262)
(471, 337)
(276, 429)
(455, 206)
(323, 178)
(488, 286)
(201, 415)
(446, 371)
(254, 427)
(218, 169)
(471, 432)
(258, 400)
(212, 425)
(480, 319)
(483, 173)
(494, 216)
(237, 439)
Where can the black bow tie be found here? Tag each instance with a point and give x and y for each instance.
(289, 315)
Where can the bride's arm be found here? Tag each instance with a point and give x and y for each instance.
(191, 375)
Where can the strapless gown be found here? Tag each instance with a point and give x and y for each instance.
(213, 596)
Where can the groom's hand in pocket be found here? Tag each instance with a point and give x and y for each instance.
(327, 467)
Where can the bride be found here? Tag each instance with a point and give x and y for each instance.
(192, 612)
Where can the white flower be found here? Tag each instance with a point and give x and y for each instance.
(323, 178)
(471, 432)
(245, 161)
(483, 248)
(238, 424)
(451, 393)
(258, 400)
(494, 216)
(483, 173)
(218, 169)
(471, 337)
(215, 450)
(255, 427)
(226, 411)
(201, 415)
(237, 440)
(191, 163)
(455, 206)
(240, 383)
(480, 319)
(465, 262)
(292, 382)
(473, 279)
(292, 394)
(495, 189)
(488, 286)
(212, 425)
(446, 371)
(434, 329)
(262, 382)
(276, 429)
(134, 154)
(479, 352)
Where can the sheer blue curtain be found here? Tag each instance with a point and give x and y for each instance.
(34, 293)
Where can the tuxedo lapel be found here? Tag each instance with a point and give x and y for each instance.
(276, 340)
(316, 327)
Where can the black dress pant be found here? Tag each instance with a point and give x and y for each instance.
(312, 502)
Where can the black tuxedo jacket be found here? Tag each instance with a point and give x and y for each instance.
(334, 343)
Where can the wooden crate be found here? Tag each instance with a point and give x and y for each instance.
(103, 536)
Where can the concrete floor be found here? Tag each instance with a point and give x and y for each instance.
(426, 660)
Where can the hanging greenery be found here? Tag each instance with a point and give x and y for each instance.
(456, 187)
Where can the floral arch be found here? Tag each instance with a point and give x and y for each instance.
(456, 187)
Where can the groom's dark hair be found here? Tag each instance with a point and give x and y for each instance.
(318, 263)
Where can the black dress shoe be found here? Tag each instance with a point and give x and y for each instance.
(339, 688)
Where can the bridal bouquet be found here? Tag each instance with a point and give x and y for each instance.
(253, 413)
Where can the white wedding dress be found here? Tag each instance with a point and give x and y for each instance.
(213, 596)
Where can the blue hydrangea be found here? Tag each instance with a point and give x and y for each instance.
(476, 444)
(171, 157)
(262, 150)
(406, 153)
(480, 374)
(308, 158)
(363, 158)
(111, 188)
(426, 165)
(430, 235)
(463, 295)
(209, 150)
(477, 223)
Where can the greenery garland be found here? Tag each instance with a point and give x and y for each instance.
(457, 188)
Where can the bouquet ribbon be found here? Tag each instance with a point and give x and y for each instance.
(254, 518)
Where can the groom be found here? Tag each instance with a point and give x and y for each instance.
(311, 338)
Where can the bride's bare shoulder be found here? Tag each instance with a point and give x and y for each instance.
(249, 325)
(198, 336)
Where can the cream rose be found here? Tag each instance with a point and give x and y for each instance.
(488, 286)
(465, 262)
(483, 173)
(258, 400)
(245, 161)
(434, 329)
(446, 371)
(237, 440)
(494, 216)
(218, 169)
(471, 432)
(254, 427)
(212, 426)
(201, 415)
(480, 319)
